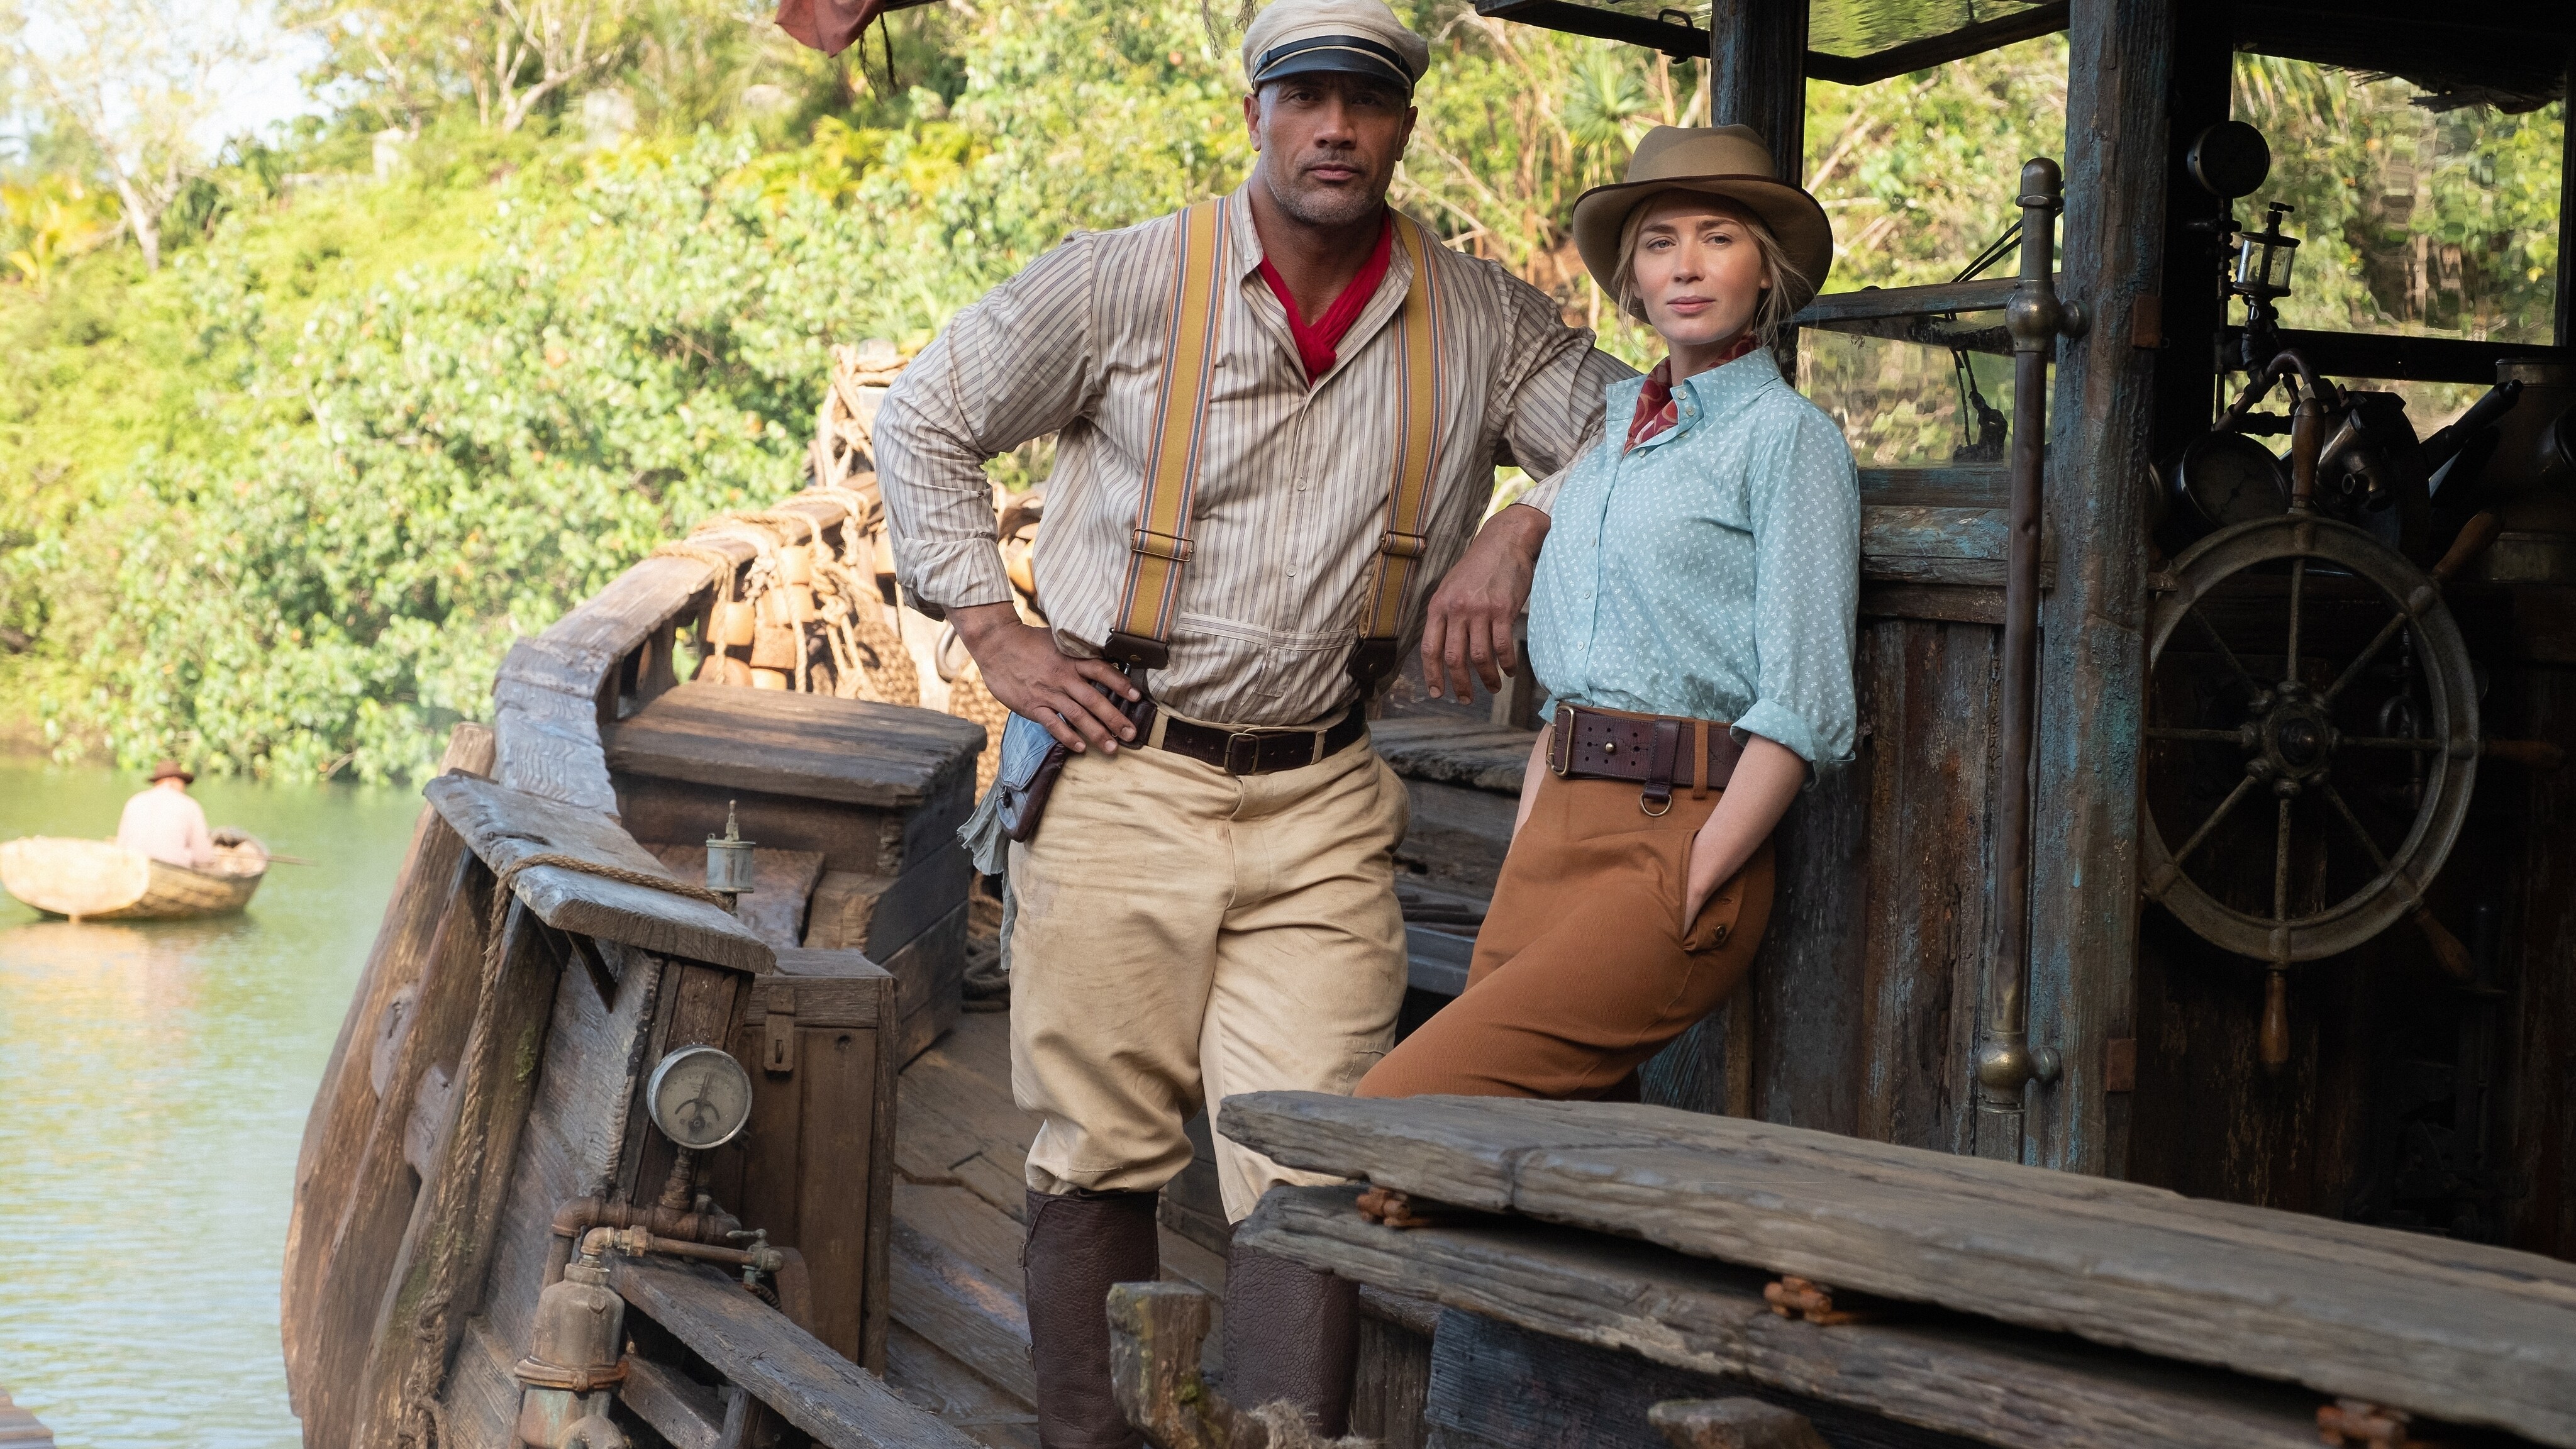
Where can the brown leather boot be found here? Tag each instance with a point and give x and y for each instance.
(1290, 1333)
(1079, 1244)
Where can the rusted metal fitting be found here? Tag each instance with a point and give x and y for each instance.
(706, 1224)
(1389, 1208)
(1793, 1297)
(2007, 1063)
(573, 1361)
(2365, 1425)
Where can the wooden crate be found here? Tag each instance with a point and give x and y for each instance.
(816, 1166)
(873, 792)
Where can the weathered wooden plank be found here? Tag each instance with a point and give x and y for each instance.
(1950, 1374)
(816, 1169)
(1931, 704)
(1803, 992)
(1392, 1379)
(699, 1012)
(814, 746)
(849, 837)
(1938, 544)
(344, 1105)
(1953, 603)
(577, 651)
(2084, 885)
(688, 1414)
(589, 1074)
(547, 743)
(438, 1271)
(782, 884)
(963, 1309)
(351, 1267)
(1457, 835)
(2366, 1312)
(503, 826)
(928, 1377)
(1985, 295)
(482, 1397)
(1498, 1385)
(930, 976)
(880, 914)
(1964, 485)
(783, 1366)
(1453, 751)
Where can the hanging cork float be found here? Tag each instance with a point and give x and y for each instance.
(816, 608)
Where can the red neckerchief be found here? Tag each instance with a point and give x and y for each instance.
(1317, 340)
(1656, 409)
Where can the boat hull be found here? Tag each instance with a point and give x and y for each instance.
(99, 880)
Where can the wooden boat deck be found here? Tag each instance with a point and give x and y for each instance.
(958, 1346)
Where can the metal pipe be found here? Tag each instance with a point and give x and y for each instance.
(2035, 317)
(584, 1213)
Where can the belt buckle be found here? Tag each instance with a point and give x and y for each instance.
(1252, 753)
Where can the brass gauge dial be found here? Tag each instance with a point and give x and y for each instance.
(699, 1096)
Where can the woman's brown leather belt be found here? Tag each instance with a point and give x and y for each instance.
(1658, 751)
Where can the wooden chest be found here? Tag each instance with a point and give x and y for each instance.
(815, 1168)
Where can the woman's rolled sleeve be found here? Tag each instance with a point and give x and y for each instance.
(1806, 606)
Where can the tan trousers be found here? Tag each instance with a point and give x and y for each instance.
(1183, 935)
(1584, 967)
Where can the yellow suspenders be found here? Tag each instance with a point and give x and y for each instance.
(1160, 543)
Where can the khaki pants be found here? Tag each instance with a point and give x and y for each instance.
(1585, 967)
(1183, 935)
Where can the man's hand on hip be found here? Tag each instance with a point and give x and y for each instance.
(1473, 610)
(1031, 677)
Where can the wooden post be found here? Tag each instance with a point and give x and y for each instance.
(2193, 302)
(2084, 917)
(2564, 333)
(1757, 75)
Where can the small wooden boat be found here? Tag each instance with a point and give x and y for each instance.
(100, 880)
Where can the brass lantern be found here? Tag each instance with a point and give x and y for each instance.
(729, 862)
(2264, 258)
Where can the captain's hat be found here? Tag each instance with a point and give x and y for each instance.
(1363, 37)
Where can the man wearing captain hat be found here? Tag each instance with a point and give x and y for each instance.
(1278, 417)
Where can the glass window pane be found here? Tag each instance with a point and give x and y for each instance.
(1862, 27)
(2416, 221)
(1905, 405)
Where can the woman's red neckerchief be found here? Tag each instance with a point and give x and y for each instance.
(1656, 409)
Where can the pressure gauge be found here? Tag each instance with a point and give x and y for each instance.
(2225, 478)
(699, 1096)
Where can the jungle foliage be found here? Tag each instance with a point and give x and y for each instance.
(415, 379)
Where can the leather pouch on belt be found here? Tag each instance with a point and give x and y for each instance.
(1031, 761)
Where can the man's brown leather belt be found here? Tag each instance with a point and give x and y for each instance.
(1261, 752)
(1658, 751)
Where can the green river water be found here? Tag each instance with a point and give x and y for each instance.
(154, 1080)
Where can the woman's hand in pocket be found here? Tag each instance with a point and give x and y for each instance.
(1765, 781)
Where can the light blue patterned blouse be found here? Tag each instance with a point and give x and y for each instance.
(1714, 570)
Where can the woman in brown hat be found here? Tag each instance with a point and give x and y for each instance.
(1692, 618)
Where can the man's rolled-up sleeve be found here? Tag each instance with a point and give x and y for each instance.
(1016, 365)
(1551, 393)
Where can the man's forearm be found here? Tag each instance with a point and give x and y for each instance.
(1468, 631)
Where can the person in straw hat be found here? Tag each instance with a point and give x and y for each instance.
(1693, 621)
(166, 823)
(1278, 416)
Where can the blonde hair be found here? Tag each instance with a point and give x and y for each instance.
(1771, 316)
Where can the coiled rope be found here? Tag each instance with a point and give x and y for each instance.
(424, 1420)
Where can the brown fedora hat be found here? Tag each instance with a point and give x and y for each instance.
(173, 770)
(1729, 161)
